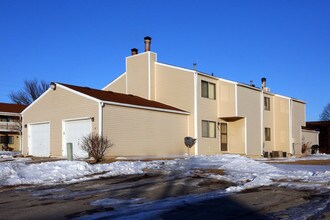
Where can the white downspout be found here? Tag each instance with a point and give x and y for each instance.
(101, 105)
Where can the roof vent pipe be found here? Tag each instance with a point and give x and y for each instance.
(147, 42)
(263, 83)
(134, 51)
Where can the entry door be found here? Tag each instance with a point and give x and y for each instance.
(224, 137)
(74, 133)
(39, 139)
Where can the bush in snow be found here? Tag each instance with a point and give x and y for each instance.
(96, 145)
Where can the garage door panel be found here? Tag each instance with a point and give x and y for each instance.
(74, 133)
(39, 140)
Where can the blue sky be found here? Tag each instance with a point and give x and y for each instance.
(86, 42)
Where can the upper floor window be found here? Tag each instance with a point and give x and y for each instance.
(208, 90)
(267, 103)
(208, 129)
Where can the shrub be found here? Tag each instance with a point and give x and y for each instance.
(305, 147)
(96, 145)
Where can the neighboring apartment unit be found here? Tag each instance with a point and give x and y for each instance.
(10, 126)
(167, 104)
(225, 116)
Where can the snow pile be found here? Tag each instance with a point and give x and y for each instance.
(8, 155)
(63, 171)
(244, 172)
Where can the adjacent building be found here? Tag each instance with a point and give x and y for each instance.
(225, 116)
(10, 126)
(323, 127)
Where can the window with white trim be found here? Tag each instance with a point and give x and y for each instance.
(208, 129)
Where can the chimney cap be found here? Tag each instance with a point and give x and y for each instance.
(147, 38)
(263, 79)
(134, 51)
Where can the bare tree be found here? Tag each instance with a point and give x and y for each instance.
(96, 145)
(325, 115)
(31, 91)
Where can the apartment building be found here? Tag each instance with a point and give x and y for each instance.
(151, 107)
(225, 116)
(10, 126)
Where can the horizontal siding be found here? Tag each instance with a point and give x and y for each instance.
(137, 75)
(249, 106)
(53, 107)
(175, 87)
(227, 103)
(298, 120)
(138, 132)
(207, 110)
(282, 126)
(269, 123)
(236, 137)
(118, 86)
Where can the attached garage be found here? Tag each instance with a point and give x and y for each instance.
(39, 139)
(73, 132)
(137, 126)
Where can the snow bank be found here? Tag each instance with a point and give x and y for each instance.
(244, 172)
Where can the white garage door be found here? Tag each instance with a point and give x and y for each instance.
(39, 140)
(73, 133)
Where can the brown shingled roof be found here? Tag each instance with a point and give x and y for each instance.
(120, 98)
(12, 108)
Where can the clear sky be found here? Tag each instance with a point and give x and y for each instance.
(85, 42)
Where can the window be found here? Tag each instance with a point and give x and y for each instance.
(208, 90)
(267, 134)
(208, 129)
(6, 139)
(267, 103)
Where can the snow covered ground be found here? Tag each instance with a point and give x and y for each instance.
(244, 172)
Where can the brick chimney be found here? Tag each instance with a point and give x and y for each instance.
(134, 51)
(147, 42)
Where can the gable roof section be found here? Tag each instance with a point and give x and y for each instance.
(109, 96)
(11, 108)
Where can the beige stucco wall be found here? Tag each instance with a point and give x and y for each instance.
(226, 99)
(207, 110)
(140, 70)
(268, 120)
(249, 106)
(53, 107)
(119, 85)
(175, 87)
(282, 124)
(139, 132)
